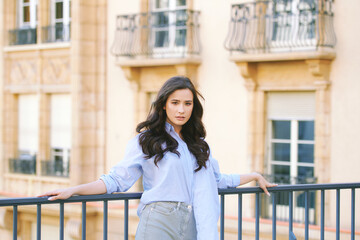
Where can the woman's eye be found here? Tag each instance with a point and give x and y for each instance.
(188, 104)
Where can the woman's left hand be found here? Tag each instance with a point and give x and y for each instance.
(264, 184)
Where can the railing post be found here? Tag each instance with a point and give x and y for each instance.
(306, 215)
(337, 214)
(273, 216)
(38, 222)
(222, 218)
(83, 221)
(239, 216)
(61, 221)
(126, 219)
(105, 220)
(322, 224)
(257, 216)
(290, 214)
(15, 210)
(353, 214)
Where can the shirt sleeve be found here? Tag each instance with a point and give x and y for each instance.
(124, 174)
(223, 180)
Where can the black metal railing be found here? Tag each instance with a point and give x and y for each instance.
(55, 168)
(56, 33)
(23, 165)
(22, 36)
(322, 189)
(159, 34)
(282, 199)
(281, 26)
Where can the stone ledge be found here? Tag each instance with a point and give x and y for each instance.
(153, 62)
(33, 47)
(328, 54)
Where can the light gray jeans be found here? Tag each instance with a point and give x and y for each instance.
(167, 221)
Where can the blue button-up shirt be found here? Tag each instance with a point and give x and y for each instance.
(174, 179)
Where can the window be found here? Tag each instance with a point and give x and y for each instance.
(168, 34)
(28, 120)
(25, 33)
(28, 131)
(27, 13)
(291, 144)
(60, 136)
(60, 20)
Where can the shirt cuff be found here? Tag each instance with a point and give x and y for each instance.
(105, 179)
(235, 180)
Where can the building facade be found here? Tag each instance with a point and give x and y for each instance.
(279, 79)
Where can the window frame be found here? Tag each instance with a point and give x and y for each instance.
(172, 28)
(32, 4)
(65, 20)
(294, 141)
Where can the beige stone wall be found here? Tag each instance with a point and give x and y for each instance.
(1, 89)
(345, 115)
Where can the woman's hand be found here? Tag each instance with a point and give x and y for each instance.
(263, 184)
(96, 187)
(58, 194)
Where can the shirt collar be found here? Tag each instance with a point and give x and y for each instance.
(168, 127)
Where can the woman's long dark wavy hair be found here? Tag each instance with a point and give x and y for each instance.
(154, 136)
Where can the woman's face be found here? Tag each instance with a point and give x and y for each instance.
(178, 107)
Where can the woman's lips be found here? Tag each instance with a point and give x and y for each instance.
(180, 118)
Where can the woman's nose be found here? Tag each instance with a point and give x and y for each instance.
(181, 108)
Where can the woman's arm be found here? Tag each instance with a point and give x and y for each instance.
(92, 188)
(263, 184)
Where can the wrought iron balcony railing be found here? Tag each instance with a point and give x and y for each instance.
(240, 192)
(56, 33)
(160, 34)
(281, 26)
(22, 36)
(55, 168)
(24, 164)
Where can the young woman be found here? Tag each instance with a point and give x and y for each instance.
(180, 176)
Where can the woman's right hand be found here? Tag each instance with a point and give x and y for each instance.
(58, 194)
(96, 187)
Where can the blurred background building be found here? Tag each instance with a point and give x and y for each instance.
(279, 77)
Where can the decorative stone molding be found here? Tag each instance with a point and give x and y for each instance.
(23, 71)
(6, 219)
(56, 70)
(73, 228)
(320, 70)
(248, 71)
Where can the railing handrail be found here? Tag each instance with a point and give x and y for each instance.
(137, 195)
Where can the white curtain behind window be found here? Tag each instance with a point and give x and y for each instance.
(28, 118)
(291, 105)
(60, 128)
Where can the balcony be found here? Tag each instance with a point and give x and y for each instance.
(162, 34)
(55, 168)
(22, 36)
(25, 164)
(275, 26)
(347, 189)
(56, 33)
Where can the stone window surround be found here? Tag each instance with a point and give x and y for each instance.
(318, 66)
